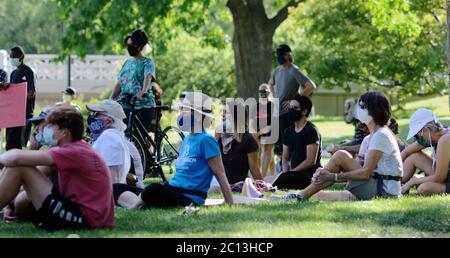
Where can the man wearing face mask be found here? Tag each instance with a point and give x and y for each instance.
(301, 147)
(135, 78)
(428, 132)
(285, 82)
(18, 136)
(68, 96)
(107, 129)
(83, 198)
(20, 208)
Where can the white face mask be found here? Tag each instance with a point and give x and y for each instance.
(363, 116)
(66, 98)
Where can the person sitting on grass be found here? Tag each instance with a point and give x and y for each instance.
(107, 128)
(381, 173)
(302, 144)
(428, 132)
(83, 198)
(353, 146)
(238, 147)
(393, 126)
(22, 203)
(198, 160)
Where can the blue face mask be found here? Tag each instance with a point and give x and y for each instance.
(15, 62)
(281, 60)
(48, 137)
(40, 139)
(185, 122)
(96, 127)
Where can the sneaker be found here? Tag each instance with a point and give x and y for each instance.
(286, 197)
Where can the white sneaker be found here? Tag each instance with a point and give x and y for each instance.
(287, 197)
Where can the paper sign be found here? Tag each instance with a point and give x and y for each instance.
(13, 102)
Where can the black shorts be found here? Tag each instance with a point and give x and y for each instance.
(58, 212)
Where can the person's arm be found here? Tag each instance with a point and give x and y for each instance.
(114, 171)
(312, 151)
(442, 161)
(411, 149)
(285, 159)
(137, 162)
(31, 85)
(364, 173)
(253, 162)
(22, 158)
(157, 89)
(352, 149)
(147, 82)
(116, 90)
(309, 88)
(216, 165)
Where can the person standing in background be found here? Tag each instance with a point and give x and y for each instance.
(17, 137)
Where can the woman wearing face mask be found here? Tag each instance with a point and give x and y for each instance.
(428, 132)
(301, 147)
(381, 172)
(135, 78)
(238, 148)
(198, 160)
(263, 121)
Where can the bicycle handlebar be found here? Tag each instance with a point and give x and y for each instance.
(131, 99)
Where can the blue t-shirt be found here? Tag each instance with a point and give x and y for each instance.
(192, 170)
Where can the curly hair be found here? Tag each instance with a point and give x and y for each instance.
(68, 118)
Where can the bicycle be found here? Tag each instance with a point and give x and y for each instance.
(167, 142)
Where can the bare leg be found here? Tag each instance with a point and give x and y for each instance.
(334, 196)
(267, 159)
(430, 188)
(341, 161)
(415, 161)
(38, 187)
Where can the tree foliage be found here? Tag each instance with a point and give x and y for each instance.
(30, 24)
(397, 46)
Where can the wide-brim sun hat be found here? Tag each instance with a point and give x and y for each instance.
(110, 107)
(198, 102)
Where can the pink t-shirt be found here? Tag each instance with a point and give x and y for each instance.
(84, 178)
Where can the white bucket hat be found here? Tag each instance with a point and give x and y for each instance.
(110, 107)
(198, 102)
(418, 121)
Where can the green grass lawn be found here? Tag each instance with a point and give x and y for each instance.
(411, 216)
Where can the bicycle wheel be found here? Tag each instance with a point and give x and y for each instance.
(143, 152)
(168, 146)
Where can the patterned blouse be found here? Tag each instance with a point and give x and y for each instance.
(132, 77)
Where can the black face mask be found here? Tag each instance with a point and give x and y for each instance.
(294, 115)
(132, 50)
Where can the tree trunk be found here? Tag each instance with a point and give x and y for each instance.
(448, 48)
(252, 45)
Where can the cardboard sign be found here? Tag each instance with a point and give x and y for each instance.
(13, 102)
